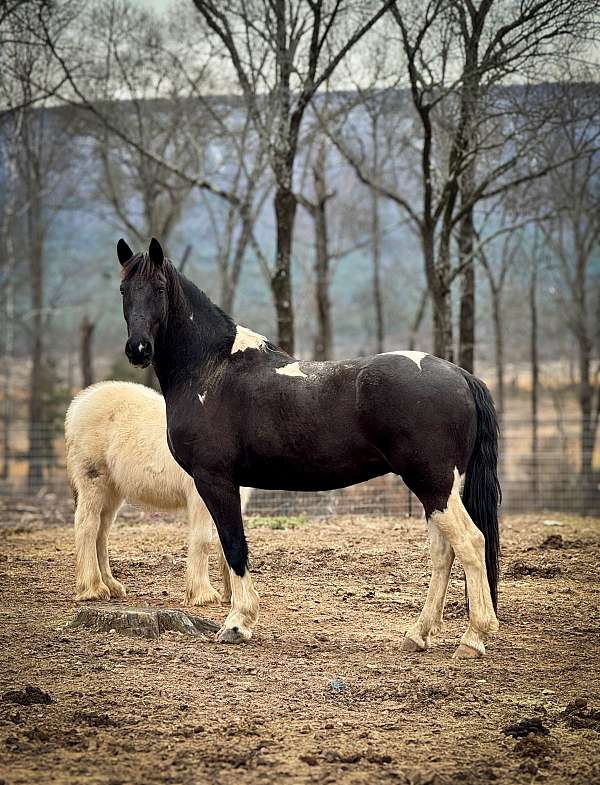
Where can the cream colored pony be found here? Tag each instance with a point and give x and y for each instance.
(117, 451)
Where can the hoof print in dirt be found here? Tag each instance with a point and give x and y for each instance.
(578, 716)
(141, 622)
(27, 697)
(521, 569)
(521, 729)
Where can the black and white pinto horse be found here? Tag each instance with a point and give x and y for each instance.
(241, 412)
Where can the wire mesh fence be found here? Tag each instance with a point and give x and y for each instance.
(547, 478)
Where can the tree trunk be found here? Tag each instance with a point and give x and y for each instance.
(499, 352)
(376, 247)
(535, 375)
(281, 284)
(36, 398)
(587, 431)
(323, 346)
(85, 351)
(416, 324)
(466, 350)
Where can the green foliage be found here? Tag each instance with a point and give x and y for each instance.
(277, 521)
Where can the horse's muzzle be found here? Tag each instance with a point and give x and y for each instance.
(139, 352)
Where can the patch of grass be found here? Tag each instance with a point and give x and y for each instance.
(277, 521)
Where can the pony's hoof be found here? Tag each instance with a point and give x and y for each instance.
(203, 596)
(465, 652)
(232, 635)
(117, 590)
(408, 644)
(98, 592)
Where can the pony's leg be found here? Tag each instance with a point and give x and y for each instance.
(199, 590)
(418, 636)
(226, 575)
(223, 500)
(88, 578)
(107, 517)
(468, 543)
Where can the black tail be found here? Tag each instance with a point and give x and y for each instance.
(481, 492)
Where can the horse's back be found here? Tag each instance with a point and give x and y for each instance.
(117, 431)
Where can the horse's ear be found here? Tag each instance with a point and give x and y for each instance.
(155, 252)
(124, 252)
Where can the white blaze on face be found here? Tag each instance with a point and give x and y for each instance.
(140, 347)
(246, 339)
(416, 357)
(293, 369)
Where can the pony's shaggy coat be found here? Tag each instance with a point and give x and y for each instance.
(116, 441)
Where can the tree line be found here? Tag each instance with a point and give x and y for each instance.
(474, 124)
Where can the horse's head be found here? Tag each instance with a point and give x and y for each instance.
(145, 302)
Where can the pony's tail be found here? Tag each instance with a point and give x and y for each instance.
(481, 493)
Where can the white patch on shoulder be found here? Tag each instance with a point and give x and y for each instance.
(202, 397)
(292, 369)
(246, 339)
(416, 357)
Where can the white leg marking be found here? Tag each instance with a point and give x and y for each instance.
(468, 543)
(292, 369)
(246, 339)
(416, 357)
(430, 621)
(244, 610)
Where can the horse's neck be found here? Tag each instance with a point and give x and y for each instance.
(194, 339)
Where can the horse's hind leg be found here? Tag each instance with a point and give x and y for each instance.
(418, 637)
(88, 578)
(446, 514)
(107, 517)
(454, 523)
(199, 590)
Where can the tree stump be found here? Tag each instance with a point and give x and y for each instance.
(141, 622)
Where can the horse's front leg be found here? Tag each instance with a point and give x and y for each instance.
(223, 501)
(418, 637)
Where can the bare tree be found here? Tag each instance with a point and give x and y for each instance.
(39, 161)
(282, 52)
(573, 236)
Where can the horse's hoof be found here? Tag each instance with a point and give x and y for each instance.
(465, 652)
(232, 635)
(117, 590)
(408, 644)
(203, 596)
(98, 592)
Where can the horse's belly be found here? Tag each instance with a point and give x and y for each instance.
(279, 474)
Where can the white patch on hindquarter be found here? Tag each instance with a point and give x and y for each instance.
(202, 397)
(246, 339)
(416, 357)
(293, 369)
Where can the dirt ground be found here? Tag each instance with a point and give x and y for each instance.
(323, 693)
